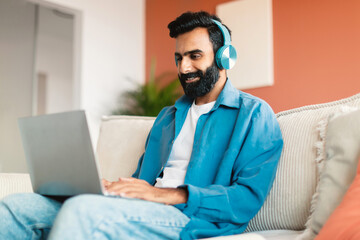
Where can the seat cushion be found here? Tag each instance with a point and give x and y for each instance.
(263, 235)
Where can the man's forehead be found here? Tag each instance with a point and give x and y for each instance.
(197, 39)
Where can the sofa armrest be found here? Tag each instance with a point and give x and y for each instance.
(14, 183)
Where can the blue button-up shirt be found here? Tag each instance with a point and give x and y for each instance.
(237, 146)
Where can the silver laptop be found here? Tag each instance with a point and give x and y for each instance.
(59, 154)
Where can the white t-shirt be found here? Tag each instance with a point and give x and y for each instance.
(176, 167)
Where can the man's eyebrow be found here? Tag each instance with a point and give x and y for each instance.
(189, 52)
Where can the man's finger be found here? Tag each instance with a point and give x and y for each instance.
(105, 182)
(126, 179)
(124, 186)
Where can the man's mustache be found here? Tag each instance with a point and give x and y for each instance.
(185, 76)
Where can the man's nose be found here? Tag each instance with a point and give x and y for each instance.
(185, 65)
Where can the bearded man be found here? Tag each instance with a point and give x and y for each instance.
(209, 160)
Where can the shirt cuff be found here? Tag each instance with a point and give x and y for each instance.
(191, 206)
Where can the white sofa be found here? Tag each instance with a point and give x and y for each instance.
(287, 210)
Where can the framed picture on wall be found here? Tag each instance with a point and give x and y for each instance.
(252, 35)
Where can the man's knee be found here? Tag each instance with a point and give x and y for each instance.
(18, 197)
(28, 206)
(18, 201)
(13, 207)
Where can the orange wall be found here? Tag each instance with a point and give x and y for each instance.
(316, 47)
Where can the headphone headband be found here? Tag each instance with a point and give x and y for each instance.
(225, 32)
(226, 56)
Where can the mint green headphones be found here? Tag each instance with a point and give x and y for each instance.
(226, 55)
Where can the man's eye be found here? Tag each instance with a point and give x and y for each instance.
(195, 56)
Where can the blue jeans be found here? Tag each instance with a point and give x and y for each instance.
(32, 216)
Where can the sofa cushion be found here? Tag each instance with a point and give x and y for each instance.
(14, 183)
(121, 143)
(342, 147)
(344, 222)
(289, 202)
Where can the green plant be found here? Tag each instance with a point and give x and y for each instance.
(149, 99)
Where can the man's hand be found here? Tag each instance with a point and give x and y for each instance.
(105, 183)
(136, 188)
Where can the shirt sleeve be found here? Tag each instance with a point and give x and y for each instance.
(253, 174)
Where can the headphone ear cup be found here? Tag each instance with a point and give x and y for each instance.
(226, 57)
(218, 57)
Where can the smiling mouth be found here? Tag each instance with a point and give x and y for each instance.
(193, 79)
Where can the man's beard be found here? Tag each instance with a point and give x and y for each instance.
(202, 86)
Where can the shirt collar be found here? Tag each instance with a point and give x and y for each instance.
(183, 102)
(229, 96)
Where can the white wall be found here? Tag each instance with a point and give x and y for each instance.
(112, 49)
(54, 58)
(109, 48)
(17, 21)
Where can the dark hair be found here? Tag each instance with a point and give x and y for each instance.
(191, 20)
